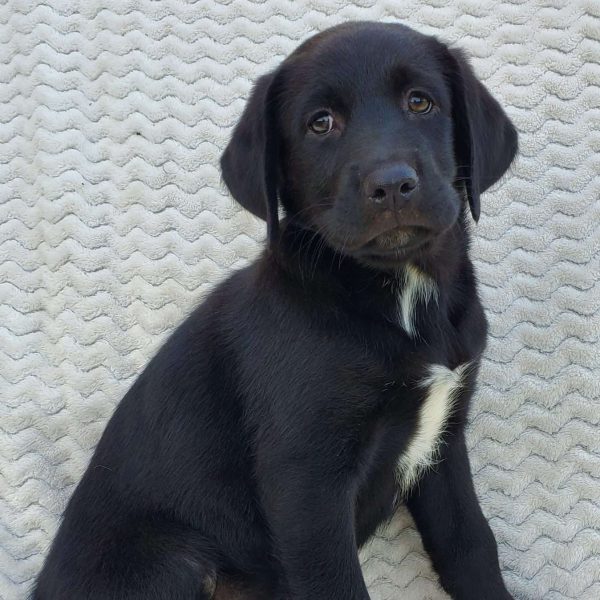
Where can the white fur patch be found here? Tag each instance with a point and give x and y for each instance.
(442, 384)
(417, 286)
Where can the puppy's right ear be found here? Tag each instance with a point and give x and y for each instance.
(250, 163)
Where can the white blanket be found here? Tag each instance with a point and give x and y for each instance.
(114, 223)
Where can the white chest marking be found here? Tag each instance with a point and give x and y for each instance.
(442, 385)
(417, 287)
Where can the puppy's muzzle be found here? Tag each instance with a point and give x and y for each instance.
(397, 204)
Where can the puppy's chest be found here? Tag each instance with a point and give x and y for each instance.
(437, 391)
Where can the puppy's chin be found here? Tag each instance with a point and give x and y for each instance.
(390, 249)
(391, 259)
(390, 262)
(399, 238)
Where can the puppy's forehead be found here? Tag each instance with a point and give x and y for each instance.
(358, 57)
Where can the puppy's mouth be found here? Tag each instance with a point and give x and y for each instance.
(393, 245)
(399, 238)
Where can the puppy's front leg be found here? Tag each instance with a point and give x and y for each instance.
(455, 533)
(309, 510)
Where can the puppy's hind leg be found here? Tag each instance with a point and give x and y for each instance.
(155, 582)
(181, 566)
(230, 589)
(134, 559)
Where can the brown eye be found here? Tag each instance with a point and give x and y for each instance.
(419, 103)
(321, 122)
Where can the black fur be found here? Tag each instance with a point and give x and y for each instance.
(257, 451)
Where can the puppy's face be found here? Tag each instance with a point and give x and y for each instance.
(367, 142)
(374, 135)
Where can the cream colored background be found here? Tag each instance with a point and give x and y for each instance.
(113, 224)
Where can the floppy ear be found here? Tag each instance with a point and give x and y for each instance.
(485, 140)
(250, 163)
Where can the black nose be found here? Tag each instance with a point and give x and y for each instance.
(391, 184)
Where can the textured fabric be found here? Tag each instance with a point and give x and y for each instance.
(114, 223)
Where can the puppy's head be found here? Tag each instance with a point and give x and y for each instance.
(372, 135)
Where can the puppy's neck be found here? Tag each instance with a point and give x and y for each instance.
(396, 295)
(414, 287)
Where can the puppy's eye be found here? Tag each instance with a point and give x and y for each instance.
(321, 122)
(419, 103)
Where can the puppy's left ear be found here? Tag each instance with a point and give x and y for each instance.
(485, 140)
(250, 163)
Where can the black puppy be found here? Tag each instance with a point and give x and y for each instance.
(315, 389)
